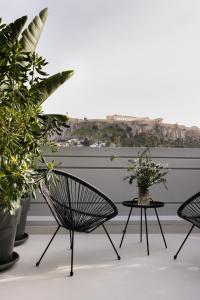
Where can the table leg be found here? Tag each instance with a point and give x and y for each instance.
(145, 215)
(124, 231)
(160, 227)
(141, 225)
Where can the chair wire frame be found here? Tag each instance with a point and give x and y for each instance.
(190, 211)
(77, 206)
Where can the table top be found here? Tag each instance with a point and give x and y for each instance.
(134, 203)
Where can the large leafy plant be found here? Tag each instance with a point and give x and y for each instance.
(25, 131)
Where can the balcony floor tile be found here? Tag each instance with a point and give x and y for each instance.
(97, 272)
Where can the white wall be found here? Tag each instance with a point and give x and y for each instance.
(94, 166)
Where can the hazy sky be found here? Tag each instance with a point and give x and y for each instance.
(131, 57)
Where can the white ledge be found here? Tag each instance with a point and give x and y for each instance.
(116, 219)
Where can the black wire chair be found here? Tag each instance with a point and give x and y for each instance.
(76, 206)
(190, 211)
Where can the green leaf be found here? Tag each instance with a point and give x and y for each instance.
(54, 123)
(31, 35)
(113, 157)
(17, 26)
(50, 84)
(61, 118)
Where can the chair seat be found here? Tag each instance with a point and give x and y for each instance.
(90, 214)
(84, 221)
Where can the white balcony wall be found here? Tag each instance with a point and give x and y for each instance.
(94, 165)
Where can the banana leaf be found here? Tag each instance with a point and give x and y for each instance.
(16, 27)
(31, 35)
(47, 86)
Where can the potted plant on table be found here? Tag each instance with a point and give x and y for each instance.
(146, 172)
(24, 130)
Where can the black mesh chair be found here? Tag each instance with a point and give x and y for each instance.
(190, 211)
(76, 206)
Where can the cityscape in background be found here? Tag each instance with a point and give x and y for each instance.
(127, 131)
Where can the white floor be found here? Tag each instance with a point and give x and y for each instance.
(99, 275)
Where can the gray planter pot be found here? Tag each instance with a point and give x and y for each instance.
(21, 236)
(8, 226)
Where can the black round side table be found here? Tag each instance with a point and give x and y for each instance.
(134, 204)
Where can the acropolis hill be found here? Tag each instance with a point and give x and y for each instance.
(120, 130)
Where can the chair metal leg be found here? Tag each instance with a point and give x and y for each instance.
(111, 241)
(145, 215)
(175, 256)
(70, 237)
(141, 225)
(72, 252)
(160, 227)
(124, 231)
(37, 264)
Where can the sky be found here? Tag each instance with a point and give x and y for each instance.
(131, 57)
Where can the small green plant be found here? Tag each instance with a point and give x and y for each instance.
(145, 171)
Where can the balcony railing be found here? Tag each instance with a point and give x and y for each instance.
(94, 165)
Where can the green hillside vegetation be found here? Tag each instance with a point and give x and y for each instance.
(121, 134)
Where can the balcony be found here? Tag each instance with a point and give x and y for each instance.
(97, 272)
(94, 166)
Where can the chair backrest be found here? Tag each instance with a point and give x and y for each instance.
(190, 209)
(76, 204)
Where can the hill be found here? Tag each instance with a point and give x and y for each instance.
(126, 131)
